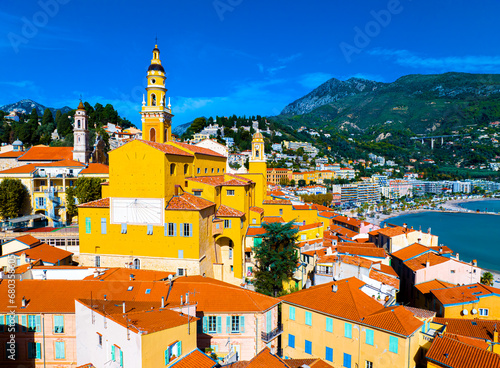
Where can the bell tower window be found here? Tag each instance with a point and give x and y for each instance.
(256, 153)
(152, 135)
(153, 99)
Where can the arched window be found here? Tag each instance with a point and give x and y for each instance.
(166, 135)
(137, 264)
(78, 121)
(212, 170)
(152, 135)
(186, 169)
(172, 169)
(206, 170)
(222, 170)
(256, 153)
(153, 99)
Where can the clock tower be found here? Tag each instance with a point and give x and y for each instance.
(81, 150)
(156, 114)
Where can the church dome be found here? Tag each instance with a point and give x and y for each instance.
(258, 135)
(17, 142)
(81, 106)
(156, 67)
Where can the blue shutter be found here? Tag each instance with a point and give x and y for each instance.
(347, 360)
(308, 318)
(38, 350)
(38, 324)
(393, 344)
(166, 357)
(269, 321)
(112, 352)
(181, 229)
(291, 341)
(190, 229)
(219, 324)
(205, 322)
(308, 347)
(242, 324)
(329, 354)
(180, 254)
(329, 324)
(103, 226)
(165, 229)
(348, 330)
(369, 337)
(2, 323)
(175, 228)
(228, 324)
(87, 225)
(60, 350)
(292, 313)
(179, 348)
(121, 358)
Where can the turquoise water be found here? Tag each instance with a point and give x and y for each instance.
(474, 236)
(490, 205)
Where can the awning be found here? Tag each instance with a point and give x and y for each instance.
(24, 219)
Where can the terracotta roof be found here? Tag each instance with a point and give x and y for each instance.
(301, 207)
(24, 169)
(210, 180)
(384, 279)
(96, 169)
(477, 328)
(100, 203)
(269, 219)
(310, 226)
(388, 270)
(47, 154)
(319, 207)
(420, 262)
(197, 359)
(343, 231)
(166, 148)
(62, 163)
(253, 231)
(124, 274)
(198, 149)
(411, 251)
(309, 242)
(394, 231)
(265, 359)
(362, 251)
(452, 353)
(348, 220)
(277, 193)
(396, 319)
(464, 294)
(11, 154)
(187, 201)
(469, 340)
(235, 182)
(257, 209)
(28, 240)
(327, 214)
(442, 249)
(225, 211)
(44, 252)
(276, 201)
(312, 363)
(421, 313)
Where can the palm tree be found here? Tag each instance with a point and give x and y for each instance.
(487, 279)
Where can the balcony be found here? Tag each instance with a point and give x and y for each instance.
(268, 336)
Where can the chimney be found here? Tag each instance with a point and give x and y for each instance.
(163, 302)
(428, 230)
(23, 302)
(474, 262)
(105, 298)
(334, 288)
(124, 309)
(187, 298)
(427, 264)
(457, 256)
(404, 225)
(132, 277)
(181, 300)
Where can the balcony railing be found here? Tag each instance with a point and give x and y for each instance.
(268, 336)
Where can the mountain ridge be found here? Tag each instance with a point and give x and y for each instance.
(26, 105)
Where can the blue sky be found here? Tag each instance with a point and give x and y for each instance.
(227, 57)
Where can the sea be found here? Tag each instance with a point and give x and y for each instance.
(472, 235)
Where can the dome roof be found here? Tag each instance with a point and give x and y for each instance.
(156, 67)
(81, 106)
(258, 135)
(17, 142)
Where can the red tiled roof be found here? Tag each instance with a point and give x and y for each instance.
(265, 359)
(28, 240)
(348, 220)
(197, 359)
(420, 262)
(411, 251)
(45, 252)
(11, 154)
(319, 207)
(166, 148)
(187, 201)
(421, 313)
(124, 274)
(384, 279)
(468, 340)
(343, 231)
(396, 319)
(464, 294)
(47, 154)
(210, 180)
(96, 169)
(301, 207)
(62, 163)
(198, 149)
(225, 211)
(272, 219)
(477, 328)
(362, 251)
(388, 270)
(100, 203)
(253, 231)
(394, 231)
(327, 214)
(257, 209)
(276, 201)
(24, 169)
(312, 363)
(452, 353)
(235, 182)
(310, 226)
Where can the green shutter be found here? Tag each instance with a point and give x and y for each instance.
(121, 358)
(60, 350)
(38, 350)
(179, 348)
(112, 353)
(38, 323)
(393, 344)
(308, 318)
(369, 337)
(242, 324)
(348, 330)
(329, 324)
(228, 324)
(292, 313)
(24, 324)
(219, 324)
(2, 323)
(166, 357)
(87, 225)
(205, 324)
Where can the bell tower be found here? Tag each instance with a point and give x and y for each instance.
(81, 150)
(156, 114)
(258, 159)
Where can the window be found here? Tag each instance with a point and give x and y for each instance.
(369, 337)
(348, 330)
(170, 229)
(149, 230)
(309, 318)
(124, 228)
(180, 254)
(34, 350)
(197, 193)
(212, 324)
(186, 169)
(329, 354)
(58, 324)
(281, 211)
(368, 364)
(393, 344)
(212, 170)
(198, 170)
(152, 135)
(303, 237)
(99, 340)
(484, 311)
(308, 347)
(40, 202)
(103, 226)
(186, 230)
(235, 324)
(87, 225)
(181, 271)
(230, 253)
(230, 192)
(117, 354)
(137, 264)
(291, 313)
(232, 268)
(34, 324)
(347, 360)
(227, 224)
(452, 271)
(291, 341)
(173, 352)
(97, 261)
(172, 169)
(329, 324)
(218, 170)
(60, 350)
(206, 170)
(254, 221)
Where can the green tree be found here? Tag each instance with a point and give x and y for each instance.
(71, 209)
(13, 198)
(88, 189)
(302, 183)
(487, 278)
(276, 257)
(47, 117)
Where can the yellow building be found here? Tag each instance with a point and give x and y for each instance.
(339, 323)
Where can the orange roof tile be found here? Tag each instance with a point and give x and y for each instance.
(62, 163)
(421, 313)
(11, 154)
(198, 149)
(384, 279)
(225, 211)
(24, 169)
(420, 262)
(301, 207)
(362, 251)
(96, 169)
(396, 319)
(452, 353)
(47, 154)
(265, 359)
(253, 231)
(210, 180)
(464, 294)
(388, 270)
(411, 251)
(309, 242)
(45, 252)
(319, 207)
(476, 328)
(310, 226)
(394, 231)
(276, 201)
(257, 209)
(187, 201)
(235, 182)
(100, 203)
(269, 219)
(327, 214)
(347, 220)
(468, 340)
(124, 274)
(343, 231)
(197, 359)
(28, 240)
(166, 148)
(312, 363)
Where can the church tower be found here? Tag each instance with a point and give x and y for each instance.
(81, 150)
(156, 114)
(257, 164)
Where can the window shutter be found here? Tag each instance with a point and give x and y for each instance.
(165, 229)
(219, 324)
(30, 350)
(205, 322)
(179, 348)
(166, 357)
(228, 324)
(242, 324)
(2, 323)
(175, 229)
(112, 353)
(190, 229)
(87, 225)
(200, 325)
(369, 337)
(121, 358)
(103, 226)
(23, 323)
(38, 324)
(292, 313)
(38, 350)
(329, 324)
(181, 229)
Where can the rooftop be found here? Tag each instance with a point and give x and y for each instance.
(477, 328)
(100, 203)
(197, 359)
(187, 201)
(47, 154)
(420, 262)
(464, 294)
(96, 169)
(46, 253)
(395, 231)
(426, 287)
(226, 211)
(411, 251)
(165, 148)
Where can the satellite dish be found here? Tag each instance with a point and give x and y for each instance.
(465, 312)
(170, 277)
(474, 311)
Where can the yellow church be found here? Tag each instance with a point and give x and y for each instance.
(171, 206)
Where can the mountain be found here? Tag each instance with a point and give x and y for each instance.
(180, 129)
(25, 106)
(420, 103)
